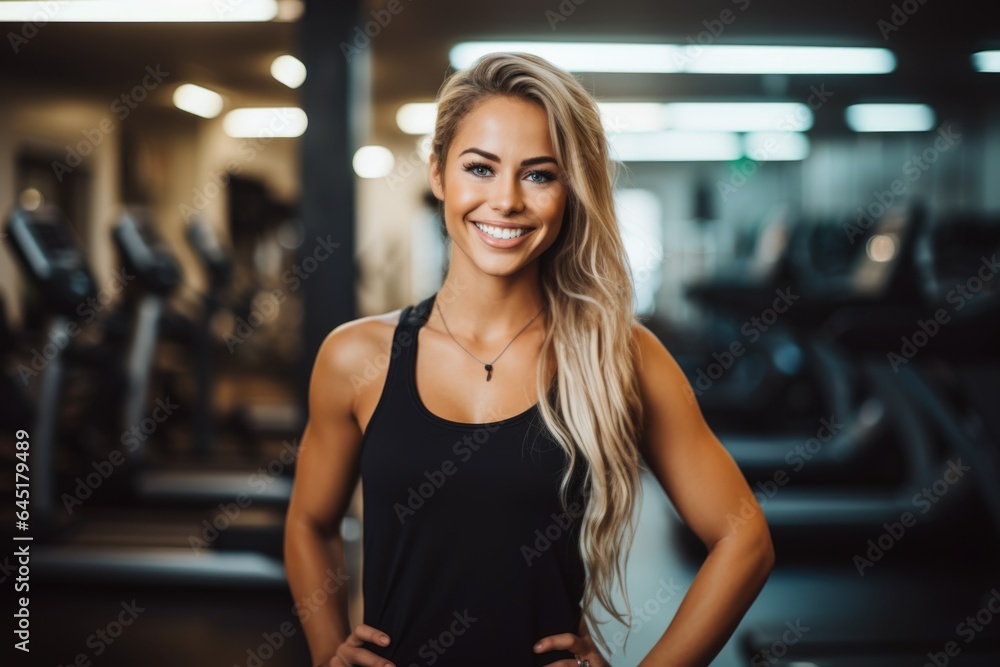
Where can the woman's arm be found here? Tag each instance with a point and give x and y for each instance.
(712, 497)
(325, 477)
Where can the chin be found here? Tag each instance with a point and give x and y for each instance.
(499, 269)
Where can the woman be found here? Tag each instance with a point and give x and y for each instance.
(500, 464)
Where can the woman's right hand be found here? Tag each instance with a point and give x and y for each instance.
(350, 653)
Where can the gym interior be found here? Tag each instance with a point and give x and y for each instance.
(193, 194)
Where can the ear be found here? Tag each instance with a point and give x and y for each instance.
(436, 179)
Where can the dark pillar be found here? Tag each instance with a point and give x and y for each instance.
(327, 207)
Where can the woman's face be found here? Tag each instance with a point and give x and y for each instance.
(503, 192)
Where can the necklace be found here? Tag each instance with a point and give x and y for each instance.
(487, 366)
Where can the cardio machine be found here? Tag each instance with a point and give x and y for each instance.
(128, 546)
(938, 399)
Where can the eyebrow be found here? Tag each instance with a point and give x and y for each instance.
(524, 163)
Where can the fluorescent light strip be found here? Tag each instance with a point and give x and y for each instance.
(670, 58)
(890, 117)
(776, 146)
(986, 61)
(197, 100)
(265, 122)
(726, 59)
(579, 57)
(633, 116)
(139, 11)
(673, 146)
(738, 116)
(706, 116)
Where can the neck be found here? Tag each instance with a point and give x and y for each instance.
(490, 309)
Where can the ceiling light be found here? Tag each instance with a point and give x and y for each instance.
(890, 117)
(706, 116)
(197, 100)
(738, 116)
(881, 247)
(417, 117)
(579, 57)
(290, 10)
(373, 161)
(986, 61)
(727, 59)
(289, 70)
(118, 11)
(265, 122)
(31, 199)
(671, 58)
(633, 116)
(674, 146)
(775, 146)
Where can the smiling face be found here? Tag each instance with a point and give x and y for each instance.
(503, 192)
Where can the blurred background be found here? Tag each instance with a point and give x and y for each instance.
(194, 193)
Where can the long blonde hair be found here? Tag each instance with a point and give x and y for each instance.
(596, 411)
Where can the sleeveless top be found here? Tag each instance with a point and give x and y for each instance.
(469, 557)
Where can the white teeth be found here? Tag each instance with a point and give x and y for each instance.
(500, 233)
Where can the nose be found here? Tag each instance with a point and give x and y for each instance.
(506, 196)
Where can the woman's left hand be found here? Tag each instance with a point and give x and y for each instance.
(580, 645)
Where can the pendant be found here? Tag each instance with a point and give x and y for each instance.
(489, 371)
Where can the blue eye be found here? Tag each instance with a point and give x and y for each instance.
(475, 166)
(546, 176)
(535, 176)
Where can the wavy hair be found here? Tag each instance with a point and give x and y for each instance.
(595, 414)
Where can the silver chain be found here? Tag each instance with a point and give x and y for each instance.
(487, 366)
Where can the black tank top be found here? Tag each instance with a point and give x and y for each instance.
(469, 557)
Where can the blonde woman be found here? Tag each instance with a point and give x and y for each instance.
(499, 425)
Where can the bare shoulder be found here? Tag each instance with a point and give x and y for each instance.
(346, 350)
(651, 352)
(657, 369)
